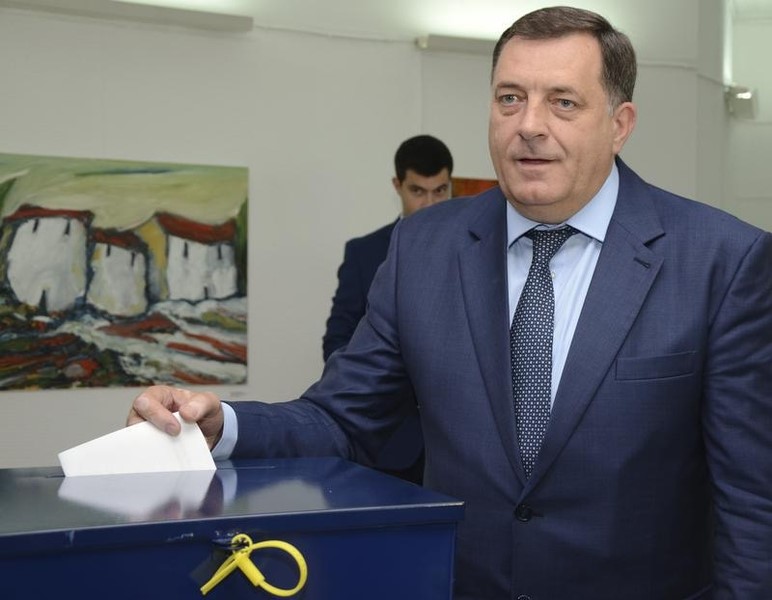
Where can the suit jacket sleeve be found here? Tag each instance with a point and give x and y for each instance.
(737, 421)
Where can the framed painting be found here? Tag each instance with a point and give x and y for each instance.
(121, 273)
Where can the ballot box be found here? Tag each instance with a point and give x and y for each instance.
(337, 528)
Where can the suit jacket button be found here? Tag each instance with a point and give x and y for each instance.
(523, 597)
(523, 513)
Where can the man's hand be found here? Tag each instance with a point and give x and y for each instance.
(157, 403)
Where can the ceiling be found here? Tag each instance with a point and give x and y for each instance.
(408, 19)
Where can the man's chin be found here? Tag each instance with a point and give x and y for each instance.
(542, 208)
(534, 196)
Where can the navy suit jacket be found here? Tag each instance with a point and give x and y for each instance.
(654, 480)
(361, 258)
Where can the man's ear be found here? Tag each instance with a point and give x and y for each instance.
(624, 117)
(396, 183)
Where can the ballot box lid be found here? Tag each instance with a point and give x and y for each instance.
(42, 511)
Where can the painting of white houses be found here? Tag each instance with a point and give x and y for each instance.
(200, 259)
(47, 261)
(104, 282)
(118, 283)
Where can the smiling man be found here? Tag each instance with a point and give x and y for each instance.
(592, 355)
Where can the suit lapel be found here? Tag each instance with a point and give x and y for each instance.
(625, 271)
(483, 270)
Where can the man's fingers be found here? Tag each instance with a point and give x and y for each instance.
(156, 405)
(205, 410)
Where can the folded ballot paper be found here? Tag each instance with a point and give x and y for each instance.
(140, 448)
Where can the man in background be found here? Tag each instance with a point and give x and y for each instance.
(423, 166)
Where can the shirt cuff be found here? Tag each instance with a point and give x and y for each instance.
(230, 434)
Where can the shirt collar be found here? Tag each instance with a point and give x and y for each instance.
(592, 220)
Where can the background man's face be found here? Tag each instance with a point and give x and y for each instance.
(418, 191)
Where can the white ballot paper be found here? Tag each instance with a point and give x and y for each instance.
(141, 448)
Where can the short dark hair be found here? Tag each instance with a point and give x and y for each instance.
(617, 53)
(424, 154)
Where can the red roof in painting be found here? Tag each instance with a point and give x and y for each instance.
(27, 211)
(195, 231)
(114, 237)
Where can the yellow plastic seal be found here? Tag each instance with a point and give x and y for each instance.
(240, 559)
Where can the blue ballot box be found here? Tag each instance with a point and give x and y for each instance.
(361, 534)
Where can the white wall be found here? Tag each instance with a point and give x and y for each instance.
(455, 100)
(316, 120)
(750, 141)
(712, 120)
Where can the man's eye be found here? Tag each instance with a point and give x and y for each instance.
(508, 99)
(563, 103)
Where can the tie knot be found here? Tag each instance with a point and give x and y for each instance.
(547, 241)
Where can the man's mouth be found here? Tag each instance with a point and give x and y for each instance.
(533, 161)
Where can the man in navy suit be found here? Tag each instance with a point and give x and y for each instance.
(423, 165)
(653, 479)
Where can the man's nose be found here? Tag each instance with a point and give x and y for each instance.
(533, 121)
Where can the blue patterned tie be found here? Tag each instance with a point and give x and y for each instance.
(530, 341)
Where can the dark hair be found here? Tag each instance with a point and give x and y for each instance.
(424, 154)
(617, 53)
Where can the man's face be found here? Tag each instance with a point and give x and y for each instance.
(418, 191)
(552, 135)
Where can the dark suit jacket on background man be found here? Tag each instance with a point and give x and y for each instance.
(361, 258)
